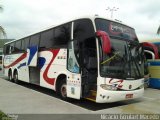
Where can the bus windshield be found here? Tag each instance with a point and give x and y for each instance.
(126, 58)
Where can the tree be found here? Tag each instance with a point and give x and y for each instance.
(2, 31)
(158, 31)
(1, 8)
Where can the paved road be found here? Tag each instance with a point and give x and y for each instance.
(31, 99)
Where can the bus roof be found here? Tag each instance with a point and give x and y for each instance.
(76, 18)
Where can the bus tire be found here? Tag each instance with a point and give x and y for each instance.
(15, 76)
(10, 75)
(62, 90)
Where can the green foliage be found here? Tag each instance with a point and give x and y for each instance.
(158, 31)
(3, 41)
(1, 8)
(2, 31)
(4, 116)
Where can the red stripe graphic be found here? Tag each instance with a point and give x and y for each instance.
(17, 60)
(45, 75)
(118, 83)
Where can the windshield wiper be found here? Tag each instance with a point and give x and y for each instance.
(128, 61)
(136, 66)
(133, 60)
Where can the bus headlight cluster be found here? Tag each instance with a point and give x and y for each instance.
(108, 87)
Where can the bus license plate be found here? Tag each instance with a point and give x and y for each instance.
(128, 96)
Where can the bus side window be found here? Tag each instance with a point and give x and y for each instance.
(11, 50)
(62, 35)
(26, 43)
(6, 49)
(34, 41)
(72, 65)
(17, 47)
(23, 45)
(83, 29)
(47, 39)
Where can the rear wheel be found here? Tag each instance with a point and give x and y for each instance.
(10, 75)
(15, 77)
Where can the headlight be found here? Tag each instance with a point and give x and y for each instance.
(108, 87)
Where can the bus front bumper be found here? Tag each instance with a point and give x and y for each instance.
(106, 96)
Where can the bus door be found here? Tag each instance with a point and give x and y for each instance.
(89, 72)
(73, 71)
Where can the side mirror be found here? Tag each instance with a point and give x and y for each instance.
(106, 44)
(154, 47)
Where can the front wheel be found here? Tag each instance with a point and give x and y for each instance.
(62, 90)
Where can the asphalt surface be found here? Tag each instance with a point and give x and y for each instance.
(26, 99)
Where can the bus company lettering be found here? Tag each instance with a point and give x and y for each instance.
(118, 28)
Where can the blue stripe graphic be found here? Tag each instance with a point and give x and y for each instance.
(21, 65)
(33, 51)
(41, 62)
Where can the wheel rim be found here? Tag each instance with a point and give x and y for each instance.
(15, 77)
(64, 91)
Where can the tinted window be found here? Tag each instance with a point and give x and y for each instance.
(6, 49)
(47, 40)
(34, 40)
(26, 43)
(11, 50)
(23, 44)
(62, 35)
(83, 29)
(17, 47)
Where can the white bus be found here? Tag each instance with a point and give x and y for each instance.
(91, 57)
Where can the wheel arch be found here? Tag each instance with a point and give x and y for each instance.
(10, 69)
(60, 77)
(15, 70)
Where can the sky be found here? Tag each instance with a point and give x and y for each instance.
(23, 17)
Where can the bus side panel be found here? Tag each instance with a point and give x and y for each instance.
(17, 62)
(6, 62)
(5, 72)
(23, 74)
(52, 63)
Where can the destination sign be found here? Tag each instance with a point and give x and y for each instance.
(116, 29)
